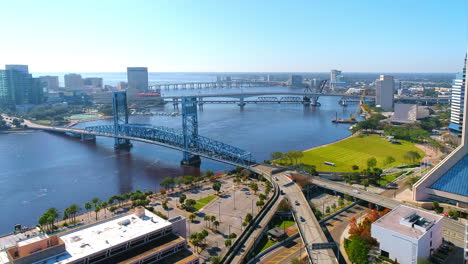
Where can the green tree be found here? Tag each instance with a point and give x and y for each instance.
(254, 187)
(371, 162)
(358, 250)
(296, 260)
(216, 224)
(276, 156)
(340, 202)
(248, 218)
(167, 183)
(217, 187)
(95, 201)
(327, 209)
(192, 217)
(232, 235)
(209, 173)
(260, 203)
(97, 208)
(207, 219)
(389, 160)
(228, 242)
(182, 198)
(88, 207)
(215, 260)
(355, 167)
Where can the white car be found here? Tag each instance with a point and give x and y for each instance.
(355, 191)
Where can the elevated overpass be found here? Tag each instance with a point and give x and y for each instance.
(453, 231)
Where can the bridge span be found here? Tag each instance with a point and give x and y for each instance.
(186, 140)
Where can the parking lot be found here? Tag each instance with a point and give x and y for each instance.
(230, 208)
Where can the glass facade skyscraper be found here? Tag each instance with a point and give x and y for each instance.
(458, 96)
(18, 88)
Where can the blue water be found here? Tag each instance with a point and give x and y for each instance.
(41, 170)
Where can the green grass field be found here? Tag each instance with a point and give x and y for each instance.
(357, 150)
(204, 201)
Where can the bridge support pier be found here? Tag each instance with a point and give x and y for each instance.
(200, 103)
(175, 103)
(314, 101)
(87, 137)
(191, 160)
(124, 144)
(241, 102)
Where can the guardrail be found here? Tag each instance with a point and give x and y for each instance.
(234, 249)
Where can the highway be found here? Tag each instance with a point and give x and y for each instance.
(310, 229)
(452, 231)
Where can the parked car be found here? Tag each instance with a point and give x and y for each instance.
(281, 191)
(296, 203)
(302, 219)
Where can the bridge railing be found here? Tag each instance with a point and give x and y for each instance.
(174, 137)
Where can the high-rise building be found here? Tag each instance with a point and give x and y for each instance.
(447, 181)
(122, 86)
(18, 87)
(94, 82)
(384, 90)
(16, 67)
(50, 82)
(137, 78)
(456, 105)
(73, 81)
(335, 76)
(295, 80)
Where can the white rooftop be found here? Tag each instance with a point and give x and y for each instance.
(103, 235)
(408, 221)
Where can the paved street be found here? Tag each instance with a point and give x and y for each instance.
(311, 230)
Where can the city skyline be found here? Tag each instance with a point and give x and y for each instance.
(262, 36)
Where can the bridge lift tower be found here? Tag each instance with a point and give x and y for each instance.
(120, 110)
(190, 130)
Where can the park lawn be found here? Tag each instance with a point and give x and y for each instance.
(204, 201)
(285, 223)
(43, 122)
(386, 179)
(357, 150)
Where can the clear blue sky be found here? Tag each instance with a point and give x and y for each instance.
(235, 36)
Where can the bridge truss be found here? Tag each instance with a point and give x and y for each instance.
(199, 145)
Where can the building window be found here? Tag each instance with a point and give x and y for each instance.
(431, 234)
(384, 253)
(430, 244)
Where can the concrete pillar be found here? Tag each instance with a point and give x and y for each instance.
(241, 101)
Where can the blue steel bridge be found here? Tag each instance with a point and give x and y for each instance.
(186, 139)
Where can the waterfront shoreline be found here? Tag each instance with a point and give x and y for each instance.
(321, 146)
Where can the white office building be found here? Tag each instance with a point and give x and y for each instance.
(408, 234)
(384, 89)
(131, 238)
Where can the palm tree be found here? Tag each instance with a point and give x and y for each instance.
(73, 210)
(97, 208)
(216, 224)
(95, 201)
(206, 218)
(104, 205)
(192, 217)
(88, 207)
(227, 242)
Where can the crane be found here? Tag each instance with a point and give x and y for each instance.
(352, 118)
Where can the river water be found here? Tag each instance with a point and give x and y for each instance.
(40, 170)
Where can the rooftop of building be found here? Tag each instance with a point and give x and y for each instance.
(455, 180)
(408, 221)
(89, 239)
(94, 238)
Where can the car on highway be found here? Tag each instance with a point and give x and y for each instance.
(302, 219)
(248, 193)
(296, 203)
(355, 191)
